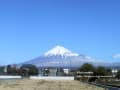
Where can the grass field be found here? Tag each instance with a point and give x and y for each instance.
(45, 85)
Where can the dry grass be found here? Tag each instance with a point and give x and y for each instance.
(45, 85)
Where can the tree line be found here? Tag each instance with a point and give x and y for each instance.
(24, 70)
(97, 71)
(29, 69)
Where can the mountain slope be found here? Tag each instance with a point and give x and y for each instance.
(62, 57)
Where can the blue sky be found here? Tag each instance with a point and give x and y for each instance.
(28, 28)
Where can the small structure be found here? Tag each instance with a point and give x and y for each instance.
(51, 72)
(84, 73)
(114, 72)
(66, 71)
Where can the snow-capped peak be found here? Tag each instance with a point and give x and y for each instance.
(60, 51)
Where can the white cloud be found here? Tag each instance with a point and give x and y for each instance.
(116, 56)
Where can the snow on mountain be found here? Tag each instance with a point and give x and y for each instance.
(60, 51)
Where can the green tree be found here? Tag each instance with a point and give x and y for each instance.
(11, 70)
(118, 74)
(2, 70)
(28, 69)
(87, 68)
(109, 72)
(101, 71)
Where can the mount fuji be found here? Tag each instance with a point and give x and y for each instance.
(62, 57)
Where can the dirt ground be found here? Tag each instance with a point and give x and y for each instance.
(45, 85)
